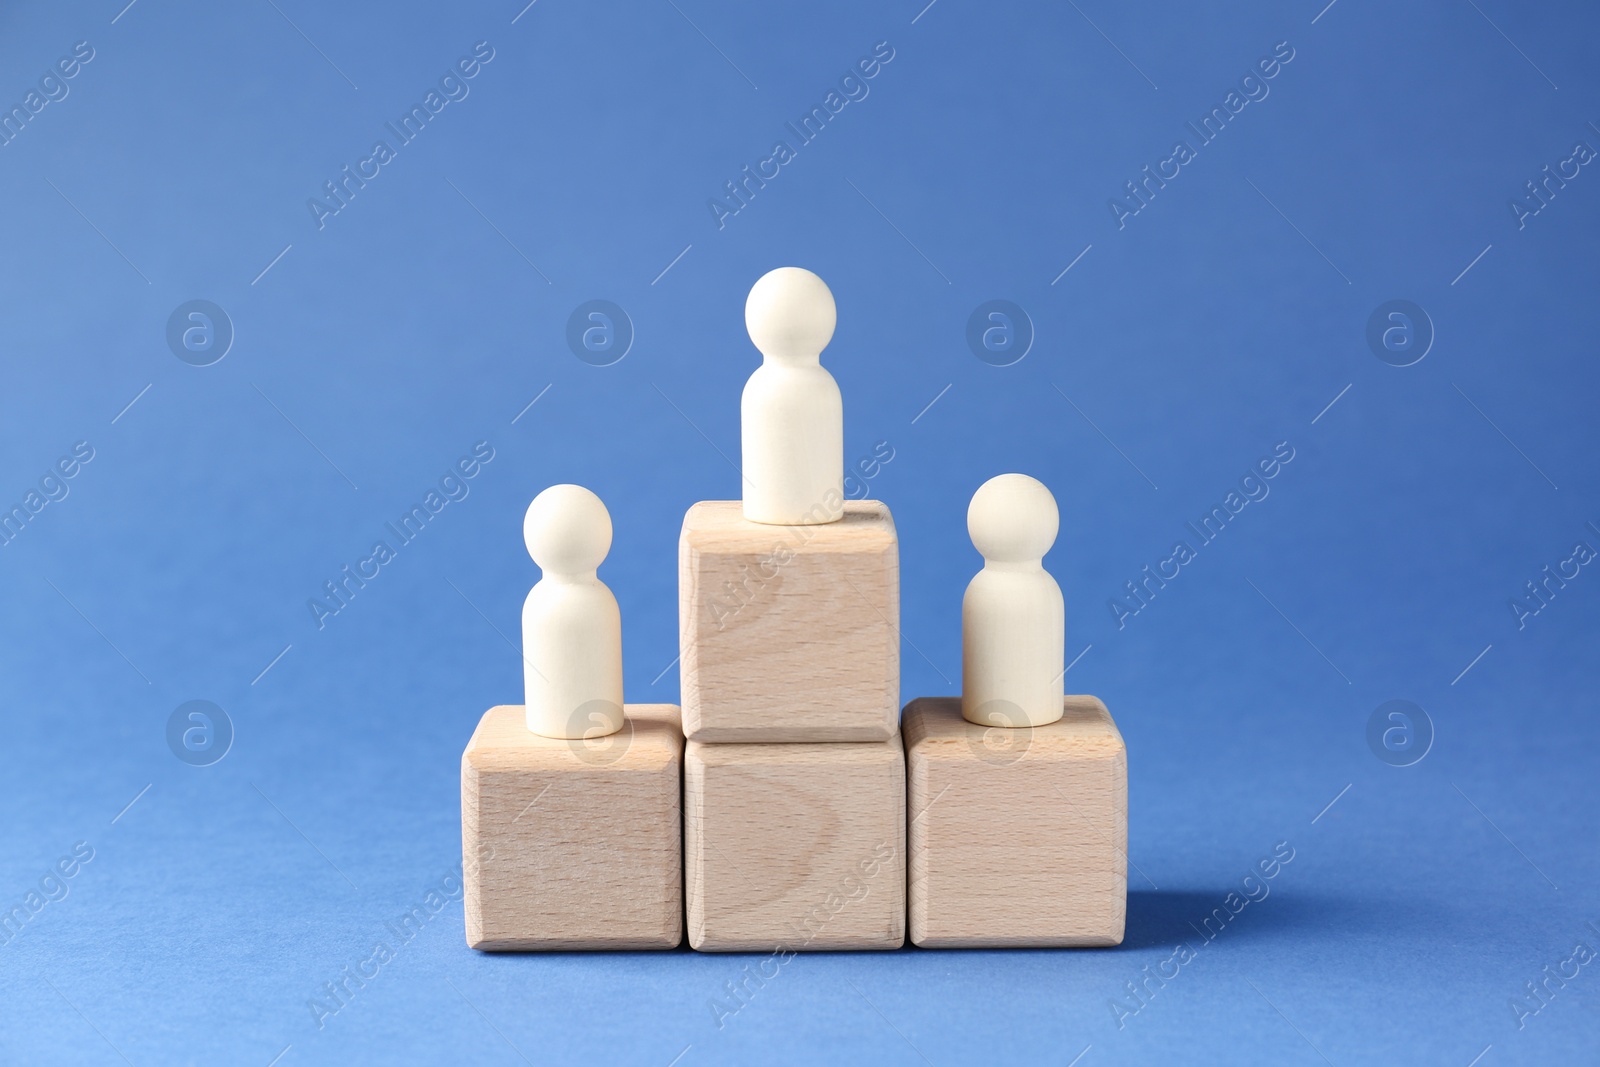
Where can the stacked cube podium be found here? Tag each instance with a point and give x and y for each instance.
(794, 771)
(790, 752)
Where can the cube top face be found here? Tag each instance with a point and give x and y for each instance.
(789, 633)
(573, 844)
(798, 846)
(1018, 838)
(1084, 731)
(650, 737)
(720, 524)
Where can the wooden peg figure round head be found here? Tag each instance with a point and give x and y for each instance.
(568, 531)
(1013, 620)
(571, 626)
(791, 413)
(790, 316)
(1013, 519)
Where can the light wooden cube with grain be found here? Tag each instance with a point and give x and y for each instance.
(1018, 837)
(795, 846)
(573, 844)
(789, 633)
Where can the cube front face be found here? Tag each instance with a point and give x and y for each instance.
(789, 633)
(573, 844)
(1018, 838)
(800, 847)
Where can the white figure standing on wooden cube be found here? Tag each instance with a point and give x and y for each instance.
(792, 416)
(980, 875)
(789, 599)
(571, 831)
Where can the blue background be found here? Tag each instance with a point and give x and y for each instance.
(372, 353)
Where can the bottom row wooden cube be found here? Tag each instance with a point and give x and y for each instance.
(795, 846)
(1018, 837)
(573, 844)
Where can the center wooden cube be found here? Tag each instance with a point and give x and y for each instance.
(1018, 838)
(789, 633)
(796, 847)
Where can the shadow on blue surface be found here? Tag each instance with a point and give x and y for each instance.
(1166, 917)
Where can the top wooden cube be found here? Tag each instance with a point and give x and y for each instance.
(789, 633)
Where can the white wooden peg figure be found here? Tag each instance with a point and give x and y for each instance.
(792, 415)
(571, 626)
(1013, 620)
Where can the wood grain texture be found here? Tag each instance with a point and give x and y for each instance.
(789, 633)
(573, 844)
(796, 846)
(1018, 838)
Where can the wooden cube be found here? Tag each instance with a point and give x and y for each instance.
(1018, 838)
(789, 633)
(798, 846)
(573, 844)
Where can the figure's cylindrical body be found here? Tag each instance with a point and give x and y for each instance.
(572, 658)
(792, 443)
(1012, 646)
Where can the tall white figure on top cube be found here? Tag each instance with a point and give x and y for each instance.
(1013, 620)
(791, 413)
(571, 626)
